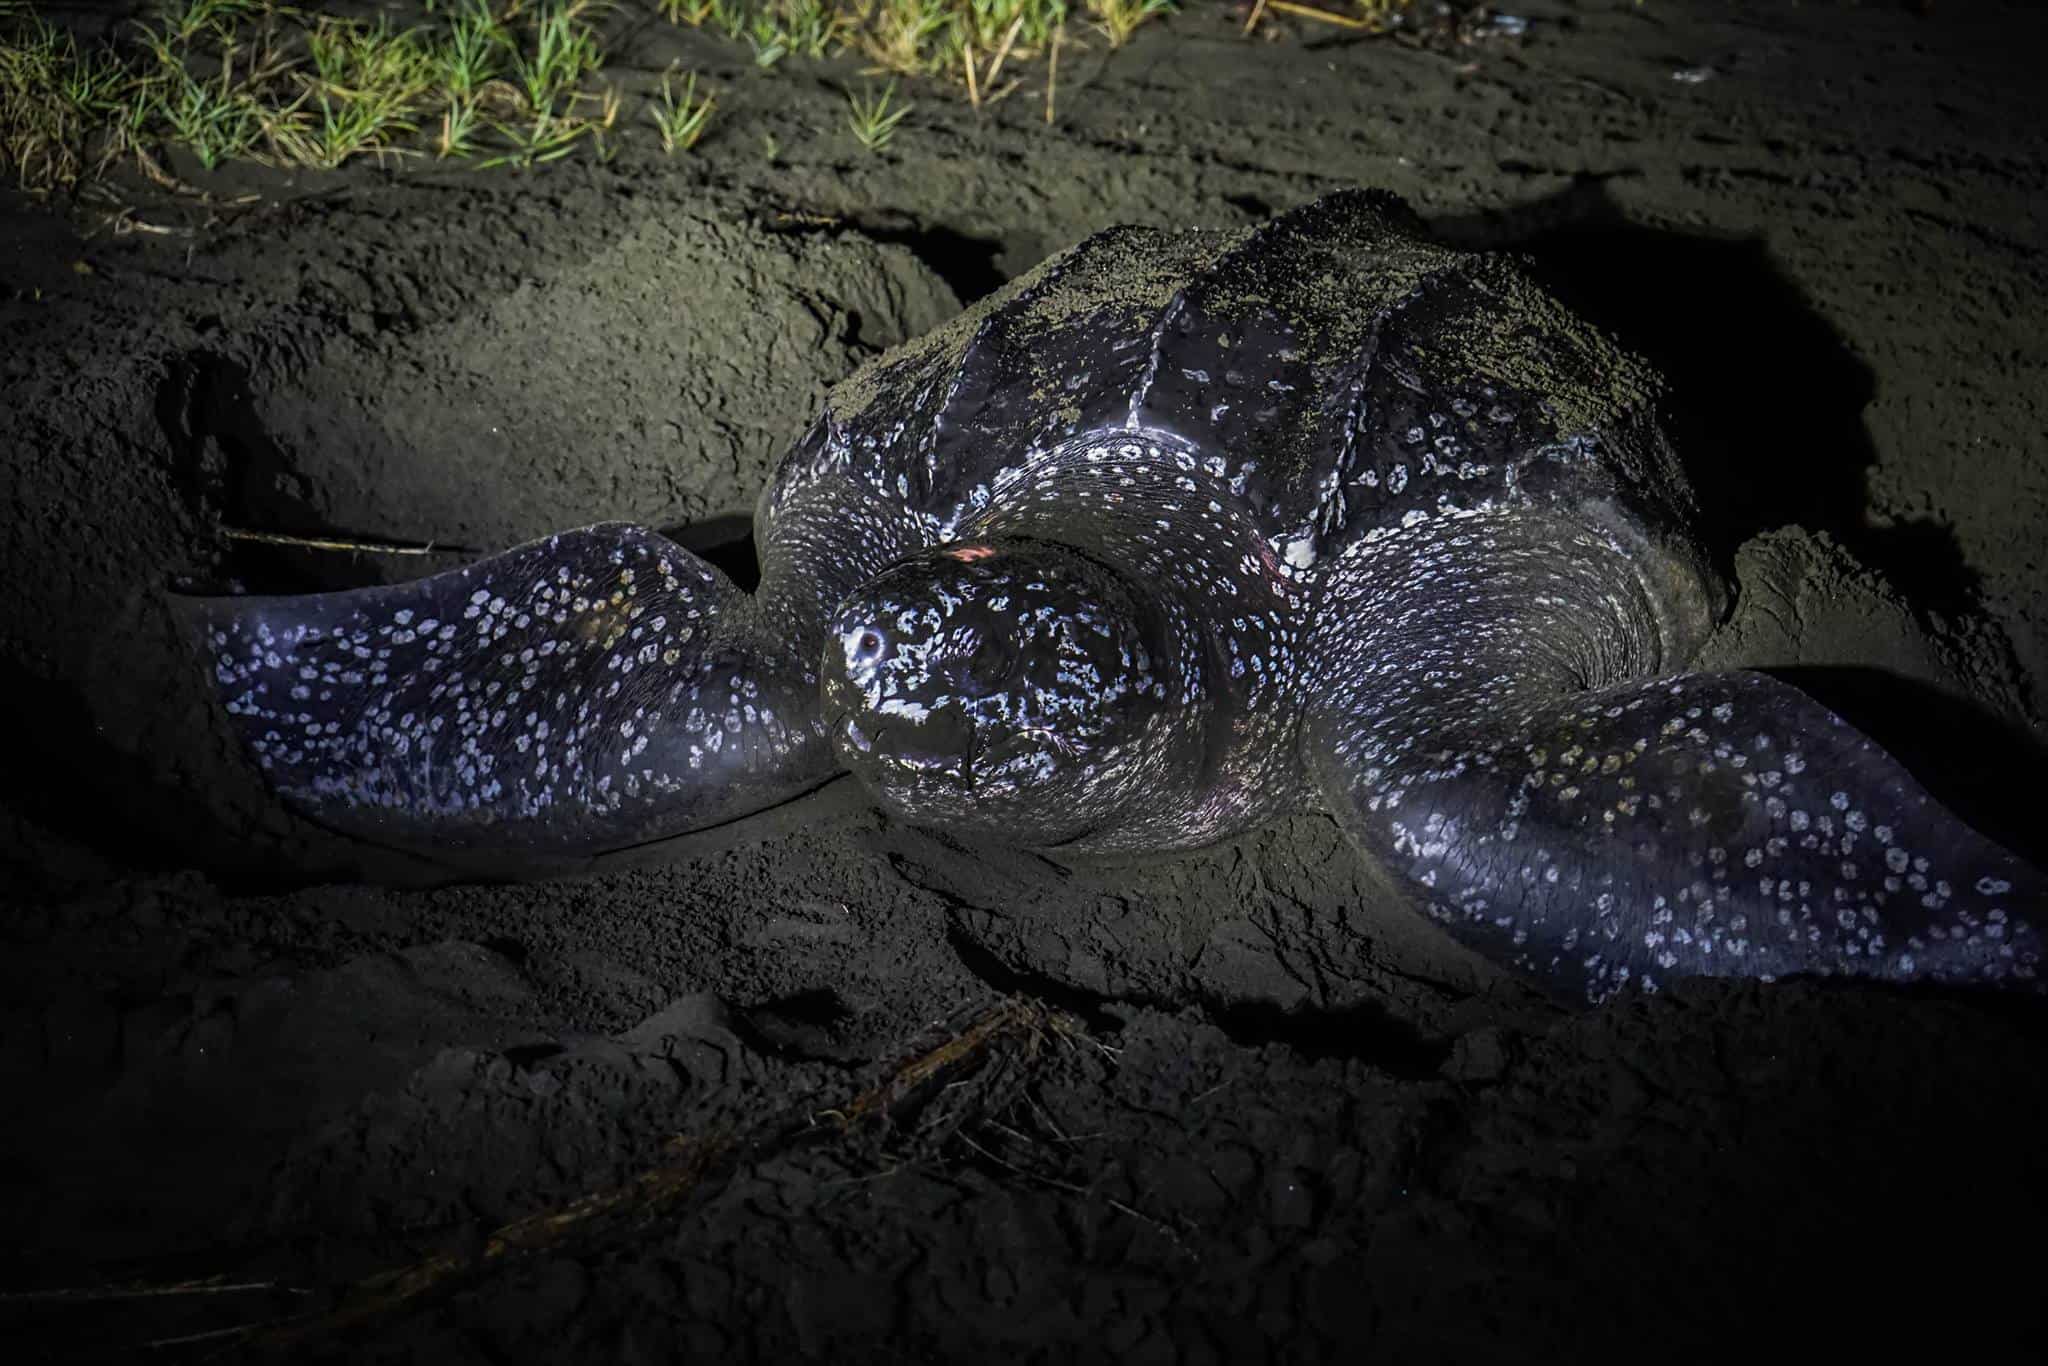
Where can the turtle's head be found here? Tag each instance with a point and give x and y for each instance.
(1014, 687)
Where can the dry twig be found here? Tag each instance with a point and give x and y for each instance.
(206, 1285)
(995, 67)
(321, 543)
(1052, 68)
(1321, 16)
(700, 1164)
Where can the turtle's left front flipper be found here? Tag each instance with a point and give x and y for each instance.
(1711, 824)
(1635, 831)
(587, 692)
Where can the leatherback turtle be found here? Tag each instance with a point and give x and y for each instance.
(1179, 532)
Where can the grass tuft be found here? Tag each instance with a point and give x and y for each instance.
(461, 124)
(474, 51)
(548, 137)
(563, 50)
(367, 86)
(492, 82)
(1117, 20)
(54, 103)
(681, 122)
(947, 39)
(875, 116)
(215, 117)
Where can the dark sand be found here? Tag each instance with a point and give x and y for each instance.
(1276, 1116)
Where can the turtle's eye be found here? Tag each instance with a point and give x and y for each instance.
(866, 647)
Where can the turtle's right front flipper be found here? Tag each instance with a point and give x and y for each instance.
(587, 692)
